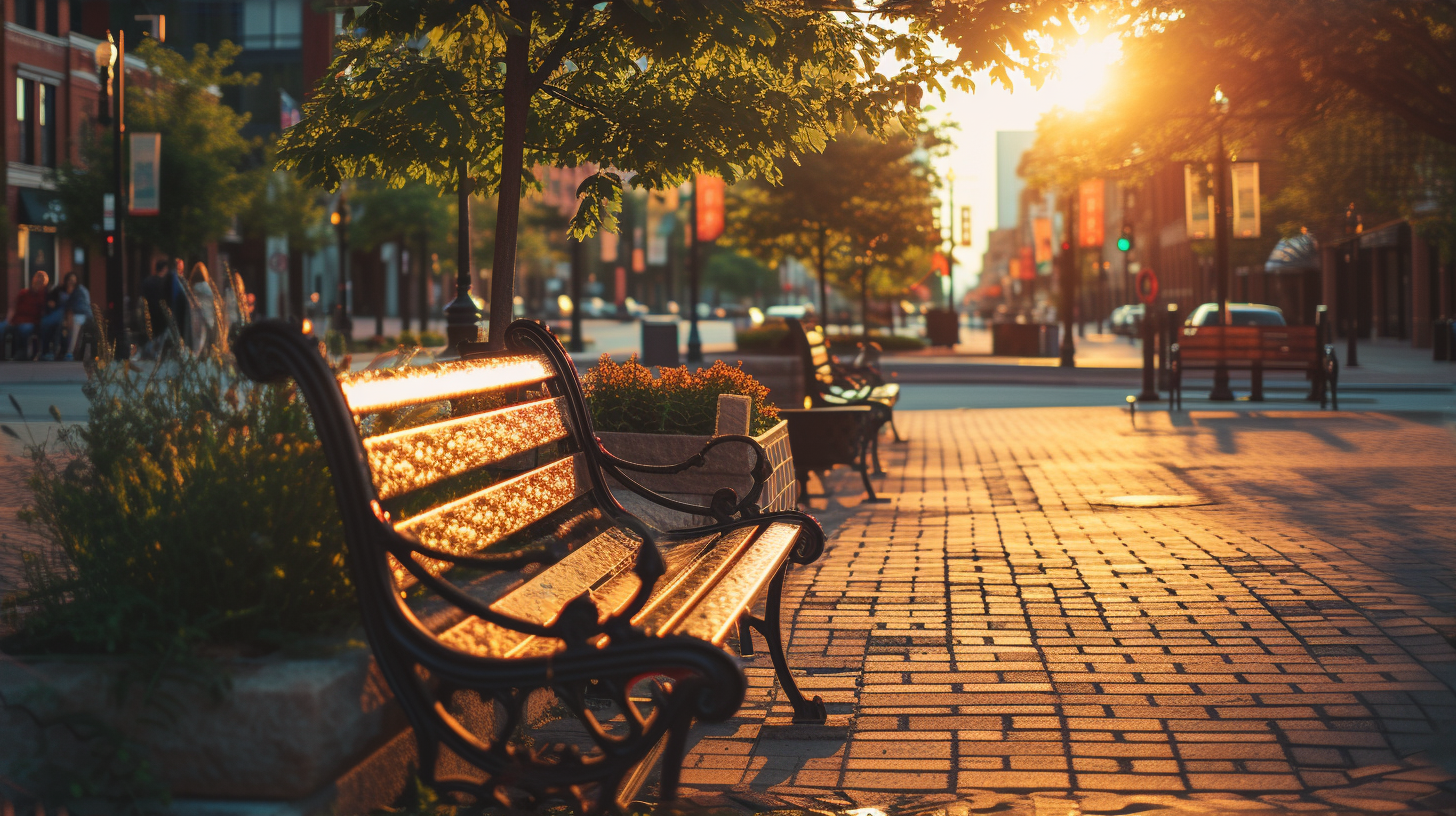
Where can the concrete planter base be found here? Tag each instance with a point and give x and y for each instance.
(286, 730)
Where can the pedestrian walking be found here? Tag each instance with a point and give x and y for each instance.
(156, 291)
(204, 306)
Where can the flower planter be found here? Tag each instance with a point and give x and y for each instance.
(285, 730)
(726, 466)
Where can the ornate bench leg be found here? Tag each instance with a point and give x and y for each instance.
(805, 710)
(875, 453)
(896, 432)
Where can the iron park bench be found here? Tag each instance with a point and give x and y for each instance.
(1257, 349)
(828, 383)
(498, 579)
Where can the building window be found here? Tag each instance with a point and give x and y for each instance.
(46, 113)
(25, 13)
(272, 24)
(25, 145)
(53, 17)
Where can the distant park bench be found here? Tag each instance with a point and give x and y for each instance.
(1256, 349)
(494, 568)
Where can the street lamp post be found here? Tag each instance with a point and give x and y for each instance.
(1221, 391)
(111, 109)
(1352, 286)
(695, 340)
(1067, 306)
(343, 322)
(947, 288)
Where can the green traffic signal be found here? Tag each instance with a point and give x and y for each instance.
(1124, 243)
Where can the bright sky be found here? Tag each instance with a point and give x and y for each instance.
(1081, 74)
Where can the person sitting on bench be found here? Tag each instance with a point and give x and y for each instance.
(25, 319)
(73, 307)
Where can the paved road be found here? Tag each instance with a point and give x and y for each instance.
(997, 640)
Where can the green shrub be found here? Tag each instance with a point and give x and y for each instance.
(767, 339)
(847, 345)
(193, 510)
(626, 398)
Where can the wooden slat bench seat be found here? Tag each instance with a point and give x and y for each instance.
(494, 567)
(1257, 349)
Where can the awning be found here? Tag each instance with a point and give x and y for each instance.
(41, 208)
(1296, 254)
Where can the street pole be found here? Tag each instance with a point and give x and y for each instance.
(1069, 288)
(578, 262)
(111, 69)
(344, 323)
(1221, 391)
(462, 318)
(1150, 391)
(1352, 287)
(695, 340)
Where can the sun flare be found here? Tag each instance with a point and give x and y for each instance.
(1081, 73)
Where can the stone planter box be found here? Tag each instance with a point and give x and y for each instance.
(726, 466)
(286, 730)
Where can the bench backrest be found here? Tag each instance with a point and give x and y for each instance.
(822, 383)
(1263, 343)
(487, 463)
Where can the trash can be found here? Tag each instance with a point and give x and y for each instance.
(1025, 340)
(943, 327)
(1441, 340)
(659, 342)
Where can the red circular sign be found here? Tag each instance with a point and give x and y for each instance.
(1147, 286)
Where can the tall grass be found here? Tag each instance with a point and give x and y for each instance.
(192, 512)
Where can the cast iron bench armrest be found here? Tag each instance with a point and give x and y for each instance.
(725, 504)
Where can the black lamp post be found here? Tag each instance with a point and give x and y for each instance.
(343, 322)
(1221, 391)
(695, 340)
(110, 110)
(1352, 287)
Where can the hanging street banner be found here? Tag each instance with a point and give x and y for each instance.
(1090, 221)
(146, 161)
(1198, 201)
(1041, 239)
(1246, 200)
(709, 192)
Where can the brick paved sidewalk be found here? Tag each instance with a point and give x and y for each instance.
(998, 641)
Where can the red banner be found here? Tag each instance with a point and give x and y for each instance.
(1028, 266)
(709, 193)
(940, 264)
(1090, 221)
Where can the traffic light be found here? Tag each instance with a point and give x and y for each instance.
(1124, 240)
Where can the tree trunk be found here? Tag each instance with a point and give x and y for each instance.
(513, 147)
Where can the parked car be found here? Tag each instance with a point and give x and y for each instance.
(1240, 314)
(1127, 319)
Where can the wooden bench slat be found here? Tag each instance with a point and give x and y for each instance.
(673, 598)
(584, 569)
(468, 525)
(390, 388)
(611, 593)
(715, 617)
(418, 457)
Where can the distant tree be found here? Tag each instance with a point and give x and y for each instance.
(413, 216)
(205, 180)
(737, 276)
(468, 96)
(849, 210)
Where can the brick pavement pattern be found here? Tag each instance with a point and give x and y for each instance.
(996, 639)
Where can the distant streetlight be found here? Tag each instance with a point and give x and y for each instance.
(111, 110)
(1221, 391)
(343, 321)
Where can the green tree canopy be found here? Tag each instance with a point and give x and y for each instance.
(469, 95)
(204, 177)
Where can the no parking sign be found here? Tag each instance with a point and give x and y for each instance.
(1147, 286)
